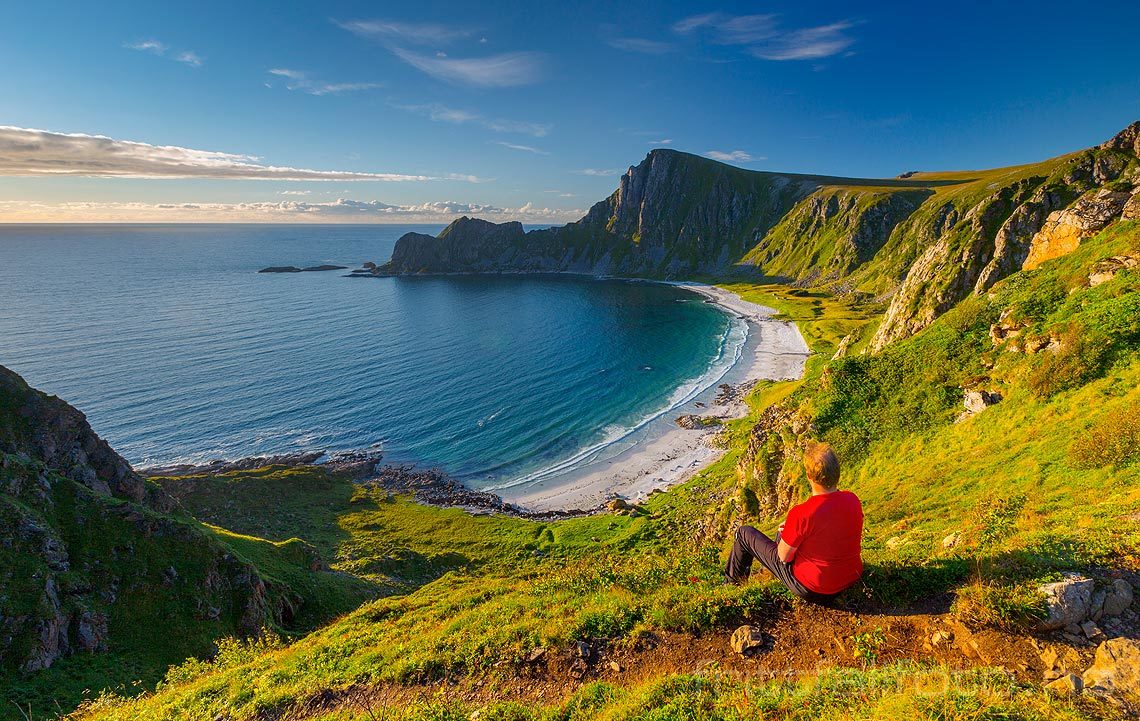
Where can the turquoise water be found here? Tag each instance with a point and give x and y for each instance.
(178, 351)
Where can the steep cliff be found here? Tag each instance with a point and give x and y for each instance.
(923, 242)
(91, 559)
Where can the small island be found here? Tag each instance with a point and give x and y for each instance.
(295, 269)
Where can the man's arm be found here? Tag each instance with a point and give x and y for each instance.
(785, 552)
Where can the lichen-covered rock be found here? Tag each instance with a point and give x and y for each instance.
(1065, 229)
(747, 640)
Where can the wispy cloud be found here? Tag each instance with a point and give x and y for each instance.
(763, 37)
(156, 47)
(295, 192)
(662, 141)
(147, 46)
(300, 80)
(190, 58)
(445, 114)
(30, 152)
(641, 45)
(599, 172)
(340, 210)
(494, 71)
(524, 148)
(419, 33)
(733, 156)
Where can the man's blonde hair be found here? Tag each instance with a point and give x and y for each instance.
(822, 465)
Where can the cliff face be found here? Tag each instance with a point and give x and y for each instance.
(89, 553)
(672, 215)
(924, 242)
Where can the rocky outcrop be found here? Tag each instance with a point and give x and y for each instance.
(43, 427)
(86, 543)
(1075, 601)
(1064, 230)
(769, 473)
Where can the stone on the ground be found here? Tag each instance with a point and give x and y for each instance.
(1067, 601)
(583, 649)
(1070, 684)
(616, 667)
(1118, 598)
(1116, 668)
(617, 504)
(746, 639)
(951, 541)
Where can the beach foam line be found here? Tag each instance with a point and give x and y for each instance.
(735, 337)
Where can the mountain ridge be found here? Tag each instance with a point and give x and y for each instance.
(921, 243)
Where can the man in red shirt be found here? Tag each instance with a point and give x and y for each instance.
(817, 549)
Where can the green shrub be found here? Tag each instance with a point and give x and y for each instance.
(1083, 356)
(1114, 440)
(1009, 606)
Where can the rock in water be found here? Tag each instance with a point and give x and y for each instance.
(1067, 601)
(280, 269)
(1116, 668)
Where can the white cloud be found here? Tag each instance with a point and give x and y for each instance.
(598, 172)
(156, 47)
(762, 37)
(662, 141)
(340, 210)
(444, 114)
(494, 71)
(295, 192)
(419, 33)
(30, 152)
(524, 148)
(300, 80)
(189, 57)
(641, 45)
(732, 156)
(149, 46)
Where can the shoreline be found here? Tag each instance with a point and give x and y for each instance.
(665, 454)
(648, 459)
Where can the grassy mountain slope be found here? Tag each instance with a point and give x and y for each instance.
(1046, 480)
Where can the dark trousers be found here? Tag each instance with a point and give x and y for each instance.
(752, 544)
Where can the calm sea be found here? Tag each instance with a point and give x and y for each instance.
(178, 350)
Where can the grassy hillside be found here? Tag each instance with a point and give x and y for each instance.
(485, 613)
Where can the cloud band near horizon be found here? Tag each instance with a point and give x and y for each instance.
(28, 152)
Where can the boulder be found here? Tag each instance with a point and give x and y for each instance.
(977, 401)
(1068, 685)
(1067, 601)
(1117, 599)
(617, 505)
(747, 640)
(1105, 270)
(1115, 669)
(951, 541)
(1131, 208)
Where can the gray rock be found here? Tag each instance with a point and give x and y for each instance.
(1118, 599)
(1067, 601)
(1068, 685)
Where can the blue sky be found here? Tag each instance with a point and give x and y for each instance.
(420, 111)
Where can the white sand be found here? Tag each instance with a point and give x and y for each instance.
(664, 454)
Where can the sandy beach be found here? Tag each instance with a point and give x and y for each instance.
(664, 454)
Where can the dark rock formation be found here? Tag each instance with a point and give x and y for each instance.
(280, 269)
(85, 542)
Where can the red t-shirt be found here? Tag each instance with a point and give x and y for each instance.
(827, 531)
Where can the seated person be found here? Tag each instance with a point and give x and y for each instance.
(816, 551)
